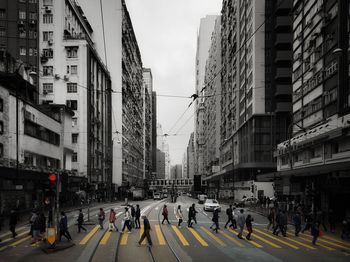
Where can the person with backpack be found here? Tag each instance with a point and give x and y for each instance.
(101, 218)
(137, 216)
(249, 225)
(230, 218)
(126, 220)
(80, 221)
(179, 216)
(165, 214)
(112, 218)
(297, 223)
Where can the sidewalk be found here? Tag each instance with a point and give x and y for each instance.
(24, 218)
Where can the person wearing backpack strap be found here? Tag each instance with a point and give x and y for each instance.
(229, 217)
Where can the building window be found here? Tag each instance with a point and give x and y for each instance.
(33, 1)
(47, 18)
(75, 138)
(47, 35)
(35, 52)
(32, 34)
(2, 14)
(72, 104)
(2, 32)
(47, 88)
(33, 16)
(74, 69)
(1, 105)
(48, 70)
(22, 51)
(22, 1)
(22, 33)
(74, 121)
(48, 52)
(22, 15)
(1, 150)
(47, 2)
(30, 51)
(75, 157)
(72, 88)
(72, 52)
(1, 127)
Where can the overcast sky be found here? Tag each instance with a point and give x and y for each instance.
(166, 32)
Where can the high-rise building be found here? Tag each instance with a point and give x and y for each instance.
(160, 164)
(184, 165)
(19, 28)
(72, 73)
(154, 133)
(203, 44)
(118, 43)
(164, 147)
(190, 157)
(176, 172)
(314, 162)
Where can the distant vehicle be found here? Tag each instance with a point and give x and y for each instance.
(189, 194)
(165, 195)
(202, 198)
(247, 201)
(211, 205)
(138, 194)
(156, 196)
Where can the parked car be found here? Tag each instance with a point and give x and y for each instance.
(156, 196)
(202, 198)
(211, 205)
(165, 195)
(247, 201)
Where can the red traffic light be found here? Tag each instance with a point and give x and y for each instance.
(52, 178)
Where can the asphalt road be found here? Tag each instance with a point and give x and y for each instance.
(171, 243)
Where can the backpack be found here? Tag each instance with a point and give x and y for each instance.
(228, 212)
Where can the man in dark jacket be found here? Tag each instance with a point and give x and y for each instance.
(229, 213)
(137, 216)
(281, 219)
(146, 231)
(80, 221)
(133, 213)
(297, 223)
(191, 215)
(13, 223)
(215, 219)
(63, 225)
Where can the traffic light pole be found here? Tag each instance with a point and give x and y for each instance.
(57, 201)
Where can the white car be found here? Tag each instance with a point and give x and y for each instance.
(156, 196)
(211, 205)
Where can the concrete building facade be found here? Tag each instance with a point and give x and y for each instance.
(160, 164)
(190, 157)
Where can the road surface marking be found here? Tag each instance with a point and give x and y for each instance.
(20, 241)
(17, 229)
(264, 240)
(11, 238)
(141, 232)
(124, 239)
(318, 244)
(336, 240)
(277, 239)
(105, 238)
(232, 239)
(89, 236)
(180, 236)
(299, 242)
(198, 237)
(160, 236)
(218, 240)
(251, 241)
(320, 239)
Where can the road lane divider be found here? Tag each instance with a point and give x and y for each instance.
(181, 237)
(105, 238)
(231, 238)
(89, 235)
(276, 239)
(218, 240)
(198, 237)
(251, 241)
(160, 236)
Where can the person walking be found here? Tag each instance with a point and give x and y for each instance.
(13, 222)
(279, 224)
(284, 222)
(229, 213)
(63, 226)
(112, 218)
(146, 231)
(165, 214)
(315, 232)
(101, 217)
(331, 221)
(297, 223)
(271, 218)
(241, 222)
(179, 215)
(192, 215)
(215, 220)
(80, 221)
(308, 222)
(133, 213)
(36, 227)
(137, 216)
(126, 219)
(249, 225)
(42, 223)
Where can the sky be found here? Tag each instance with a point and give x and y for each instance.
(166, 32)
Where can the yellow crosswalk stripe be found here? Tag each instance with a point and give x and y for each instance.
(232, 239)
(105, 238)
(251, 241)
(17, 242)
(89, 235)
(218, 240)
(160, 236)
(300, 243)
(141, 232)
(19, 235)
(318, 244)
(180, 236)
(336, 240)
(124, 239)
(20, 241)
(276, 239)
(320, 239)
(264, 240)
(198, 237)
